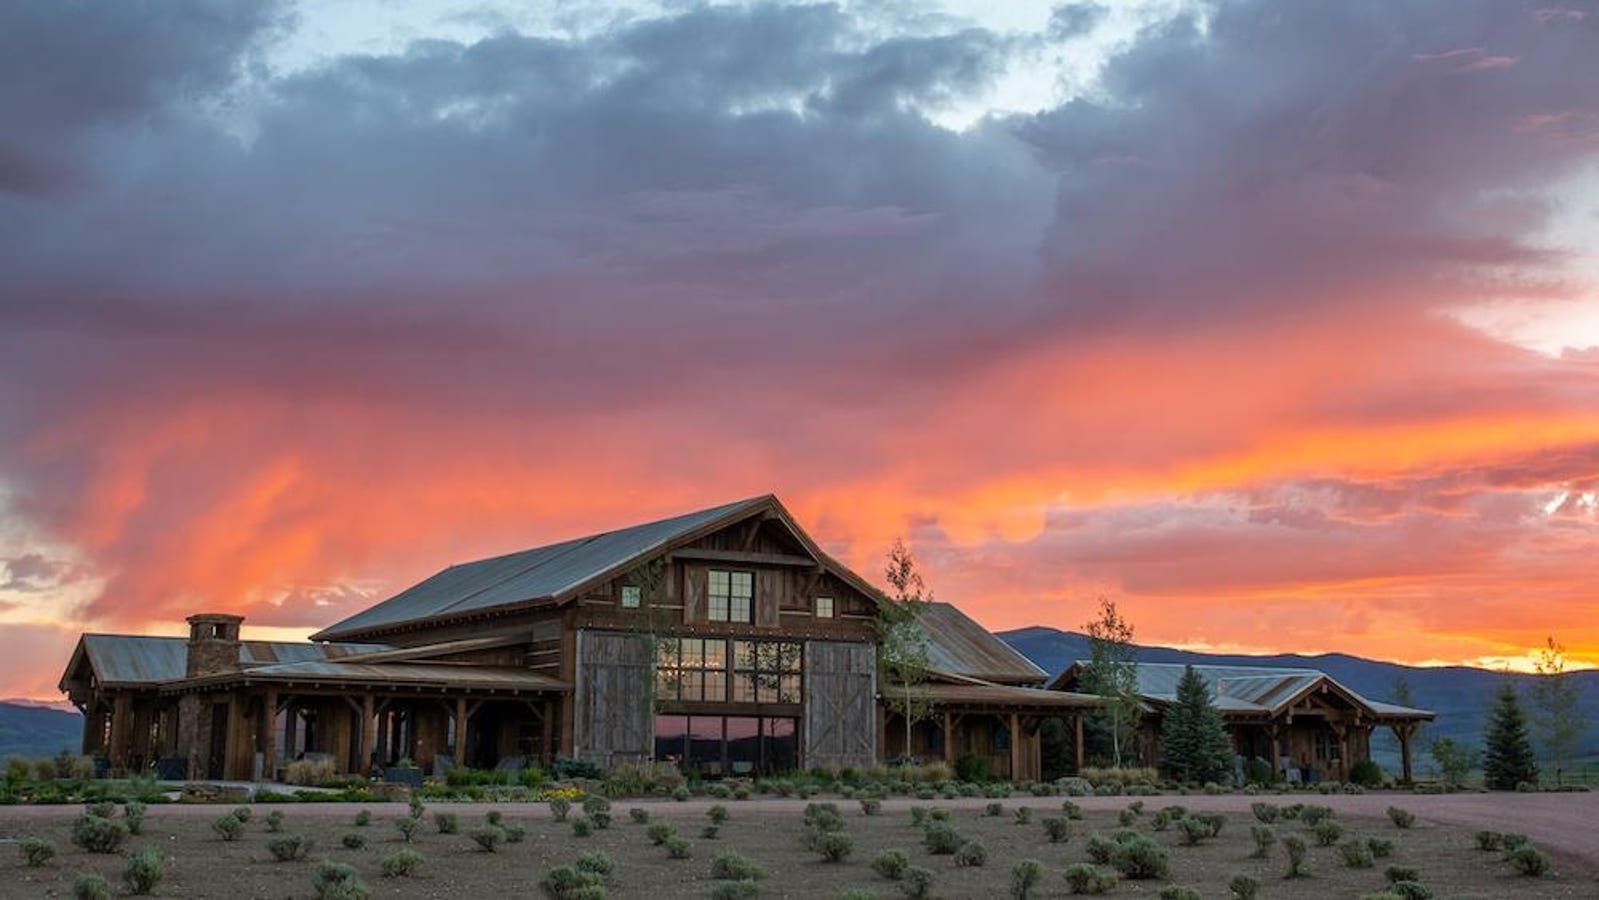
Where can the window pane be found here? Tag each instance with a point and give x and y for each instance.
(715, 685)
(692, 681)
(631, 594)
(743, 584)
(824, 607)
(705, 742)
(666, 683)
(780, 750)
(669, 734)
(714, 653)
(743, 745)
(744, 655)
(744, 688)
(716, 610)
(789, 689)
(740, 611)
(790, 656)
(666, 652)
(718, 583)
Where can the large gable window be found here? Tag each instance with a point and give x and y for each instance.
(731, 596)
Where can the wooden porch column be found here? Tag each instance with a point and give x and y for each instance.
(269, 735)
(949, 739)
(1015, 747)
(121, 730)
(1077, 726)
(233, 749)
(1273, 730)
(547, 723)
(1403, 733)
(460, 731)
(369, 732)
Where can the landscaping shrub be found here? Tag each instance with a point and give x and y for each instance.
(559, 808)
(710, 832)
(289, 848)
(97, 834)
(659, 832)
(1024, 878)
(1401, 873)
(834, 846)
(102, 808)
(1295, 847)
(1265, 837)
(598, 863)
(1312, 814)
(871, 806)
(1100, 848)
(857, 894)
(362, 818)
(447, 823)
(940, 839)
(514, 832)
(1292, 810)
(917, 883)
(143, 870)
(36, 851)
(1266, 813)
(274, 821)
(308, 772)
(994, 809)
(228, 827)
(1327, 832)
(494, 817)
(417, 809)
(971, 854)
(1024, 815)
(1193, 830)
(1083, 878)
(353, 841)
(1380, 847)
(1126, 818)
(1178, 892)
(891, 864)
(90, 886)
(1401, 817)
(676, 847)
(733, 867)
(242, 813)
(1243, 887)
(401, 863)
(1410, 890)
(601, 819)
(133, 816)
(572, 883)
(1058, 828)
(1072, 810)
(407, 826)
(1215, 820)
(718, 814)
(1529, 860)
(1366, 774)
(638, 816)
(1489, 840)
(1139, 858)
(735, 890)
(1510, 840)
(582, 826)
(488, 838)
(1357, 854)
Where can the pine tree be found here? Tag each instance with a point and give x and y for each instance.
(1507, 758)
(1194, 742)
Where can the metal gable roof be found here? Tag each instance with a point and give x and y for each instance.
(959, 646)
(150, 659)
(1258, 689)
(535, 574)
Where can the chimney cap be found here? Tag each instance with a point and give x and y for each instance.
(215, 619)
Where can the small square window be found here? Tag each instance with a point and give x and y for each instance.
(824, 607)
(632, 596)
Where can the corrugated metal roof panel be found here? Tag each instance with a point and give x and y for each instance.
(1250, 688)
(535, 574)
(151, 659)
(959, 646)
(999, 695)
(440, 675)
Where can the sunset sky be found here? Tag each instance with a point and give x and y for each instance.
(1277, 321)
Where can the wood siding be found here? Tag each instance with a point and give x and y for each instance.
(613, 702)
(840, 704)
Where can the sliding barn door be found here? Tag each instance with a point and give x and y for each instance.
(840, 704)
(615, 681)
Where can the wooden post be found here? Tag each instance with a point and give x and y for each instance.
(547, 723)
(1404, 732)
(369, 732)
(269, 735)
(460, 731)
(1015, 748)
(1077, 725)
(949, 739)
(1276, 752)
(121, 730)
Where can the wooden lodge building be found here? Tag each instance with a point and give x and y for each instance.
(1302, 722)
(722, 640)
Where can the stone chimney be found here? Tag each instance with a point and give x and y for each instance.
(213, 643)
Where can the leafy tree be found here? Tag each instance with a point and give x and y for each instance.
(1194, 742)
(1455, 760)
(902, 647)
(1507, 758)
(1113, 675)
(1556, 711)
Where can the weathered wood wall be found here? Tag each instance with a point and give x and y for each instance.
(840, 704)
(612, 701)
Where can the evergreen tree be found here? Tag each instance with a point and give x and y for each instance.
(1507, 757)
(1194, 742)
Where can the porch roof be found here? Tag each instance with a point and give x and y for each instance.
(1249, 691)
(413, 675)
(958, 646)
(997, 695)
(135, 660)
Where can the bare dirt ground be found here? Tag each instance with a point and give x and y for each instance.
(769, 832)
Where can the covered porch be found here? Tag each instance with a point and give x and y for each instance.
(997, 724)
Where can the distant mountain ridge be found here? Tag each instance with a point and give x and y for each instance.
(30, 730)
(1460, 695)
